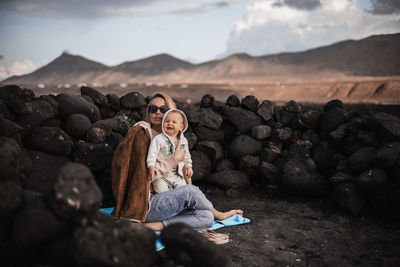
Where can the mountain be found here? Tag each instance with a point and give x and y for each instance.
(377, 55)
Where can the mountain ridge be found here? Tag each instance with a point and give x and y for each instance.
(376, 55)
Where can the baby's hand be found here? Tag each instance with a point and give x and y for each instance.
(188, 172)
(152, 173)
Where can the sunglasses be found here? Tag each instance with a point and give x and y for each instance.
(153, 109)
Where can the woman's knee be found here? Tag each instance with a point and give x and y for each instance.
(207, 218)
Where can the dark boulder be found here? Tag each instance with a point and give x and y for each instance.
(11, 198)
(233, 101)
(389, 125)
(372, 179)
(292, 107)
(36, 224)
(261, 132)
(388, 155)
(312, 136)
(386, 201)
(244, 145)
(206, 117)
(341, 177)
(207, 134)
(332, 119)
(310, 119)
(242, 119)
(298, 178)
(249, 102)
(361, 160)
(10, 129)
(225, 165)
(213, 149)
(98, 98)
(188, 247)
(249, 164)
(114, 139)
(77, 125)
(322, 155)
(335, 103)
(207, 101)
(349, 198)
(5, 112)
(38, 112)
(51, 140)
(13, 98)
(52, 102)
(285, 118)
(45, 169)
(95, 156)
(98, 132)
(201, 165)
(266, 110)
(113, 102)
(9, 159)
(133, 100)
(74, 191)
(114, 244)
(270, 172)
(282, 134)
(73, 104)
(192, 138)
(230, 179)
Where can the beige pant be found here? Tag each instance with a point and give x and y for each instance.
(169, 182)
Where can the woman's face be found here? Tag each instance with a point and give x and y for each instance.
(156, 118)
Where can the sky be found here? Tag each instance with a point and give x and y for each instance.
(34, 32)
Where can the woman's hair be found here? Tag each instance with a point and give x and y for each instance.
(168, 102)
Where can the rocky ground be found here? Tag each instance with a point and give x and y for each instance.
(291, 231)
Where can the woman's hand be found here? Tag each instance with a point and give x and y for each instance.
(179, 154)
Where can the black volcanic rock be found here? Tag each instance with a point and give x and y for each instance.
(332, 118)
(266, 110)
(249, 164)
(74, 191)
(260, 132)
(187, 247)
(10, 129)
(270, 172)
(372, 179)
(45, 169)
(361, 159)
(310, 119)
(77, 125)
(292, 107)
(233, 101)
(249, 102)
(36, 224)
(349, 198)
(225, 165)
(207, 101)
(205, 117)
(13, 97)
(230, 179)
(52, 102)
(132, 100)
(388, 155)
(113, 101)
(9, 159)
(205, 133)
(120, 244)
(73, 104)
(244, 145)
(390, 125)
(51, 140)
(95, 156)
(213, 149)
(243, 119)
(38, 112)
(335, 103)
(97, 97)
(11, 197)
(201, 165)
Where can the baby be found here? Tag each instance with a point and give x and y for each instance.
(174, 124)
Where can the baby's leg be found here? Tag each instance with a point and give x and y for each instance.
(160, 186)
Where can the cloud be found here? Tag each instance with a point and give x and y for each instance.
(17, 68)
(1, 57)
(268, 28)
(299, 4)
(385, 6)
(87, 9)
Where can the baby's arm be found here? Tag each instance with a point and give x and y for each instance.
(152, 154)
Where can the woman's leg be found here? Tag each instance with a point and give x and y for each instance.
(166, 205)
(193, 218)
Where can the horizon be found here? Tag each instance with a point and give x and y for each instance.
(36, 32)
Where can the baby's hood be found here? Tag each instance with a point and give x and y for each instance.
(185, 121)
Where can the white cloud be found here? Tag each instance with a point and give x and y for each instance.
(17, 68)
(269, 28)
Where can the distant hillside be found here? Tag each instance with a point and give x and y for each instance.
(373, 56)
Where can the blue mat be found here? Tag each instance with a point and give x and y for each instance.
(217, 224)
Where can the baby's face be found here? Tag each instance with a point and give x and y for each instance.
(173, 124)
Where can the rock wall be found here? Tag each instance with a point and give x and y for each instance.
(56, 154)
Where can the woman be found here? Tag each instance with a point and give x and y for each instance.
(131, 186)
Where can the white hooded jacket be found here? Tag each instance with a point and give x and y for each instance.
(162, 146)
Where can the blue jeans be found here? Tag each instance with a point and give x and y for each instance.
(184, 204)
